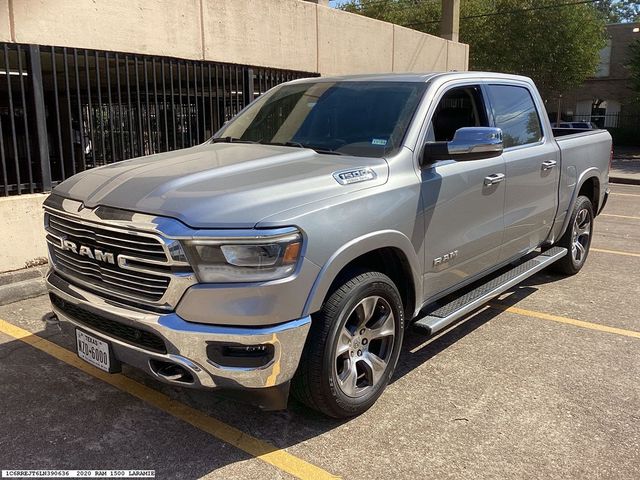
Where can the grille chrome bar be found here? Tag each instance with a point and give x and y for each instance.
(140, 269)
(104, 239)
(85, 268)
(61, 222)
(100, 273)
(136, 278)
(97, 237)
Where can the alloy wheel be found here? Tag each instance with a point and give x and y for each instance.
(365, 346)
(581, 234)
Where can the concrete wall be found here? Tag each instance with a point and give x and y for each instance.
(414, 51)
(288, 34)
(161, 27)
(279, 34)
(352, 43)
(5, 24)
(21, 231)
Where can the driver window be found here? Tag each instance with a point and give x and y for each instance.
(459, 107)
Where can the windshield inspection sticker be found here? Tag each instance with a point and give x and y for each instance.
(378, 141)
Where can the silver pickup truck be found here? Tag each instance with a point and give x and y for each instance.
(294, 248)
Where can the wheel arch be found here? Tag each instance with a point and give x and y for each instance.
(588, 183)
(590, 188)
(388, 251)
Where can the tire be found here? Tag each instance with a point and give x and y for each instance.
(577, 238)
(352, 348)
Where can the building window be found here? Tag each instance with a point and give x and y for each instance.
(605, 61)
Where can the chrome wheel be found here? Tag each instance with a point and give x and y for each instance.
(581, 234)
(364, 346)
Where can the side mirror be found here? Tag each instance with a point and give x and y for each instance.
(469, 143)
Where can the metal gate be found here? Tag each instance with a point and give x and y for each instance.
(63, 110)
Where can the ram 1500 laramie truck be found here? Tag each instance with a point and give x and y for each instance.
(295, 247)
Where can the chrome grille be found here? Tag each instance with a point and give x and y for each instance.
(133, 244)
(141, 270)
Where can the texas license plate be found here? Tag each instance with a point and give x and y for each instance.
(93, 350)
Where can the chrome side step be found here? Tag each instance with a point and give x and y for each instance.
(444, 315)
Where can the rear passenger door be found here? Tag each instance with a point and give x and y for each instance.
(532, 163)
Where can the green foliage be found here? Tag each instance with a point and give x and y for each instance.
(634, 67)
(558, 46)
(617, 11)
(419, 15)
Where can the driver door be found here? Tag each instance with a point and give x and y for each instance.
(464, 222)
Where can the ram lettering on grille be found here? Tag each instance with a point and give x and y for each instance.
(85, 251)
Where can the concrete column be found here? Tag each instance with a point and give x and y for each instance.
(450, 22)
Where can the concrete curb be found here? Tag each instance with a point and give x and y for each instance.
(625, 180)
(22, 284)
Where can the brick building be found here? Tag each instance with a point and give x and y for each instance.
(606, 99)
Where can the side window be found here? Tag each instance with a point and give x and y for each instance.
(515, 113)
(459, 107)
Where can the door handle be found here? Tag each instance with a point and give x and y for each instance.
(493, 178)
(549, 164)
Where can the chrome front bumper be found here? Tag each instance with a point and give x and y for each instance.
(186, 342)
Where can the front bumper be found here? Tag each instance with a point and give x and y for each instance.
(186, 343)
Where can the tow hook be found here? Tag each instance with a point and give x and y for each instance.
(51, 320)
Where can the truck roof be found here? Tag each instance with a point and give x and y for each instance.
(414, 77)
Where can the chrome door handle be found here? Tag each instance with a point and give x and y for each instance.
(493, 178)
(549, 164)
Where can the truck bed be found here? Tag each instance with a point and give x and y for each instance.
(563, 132)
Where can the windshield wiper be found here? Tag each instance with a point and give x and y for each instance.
(283, 144)
(302, 145)
(230, 140)
(328, 152)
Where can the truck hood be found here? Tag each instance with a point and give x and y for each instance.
(222, 185)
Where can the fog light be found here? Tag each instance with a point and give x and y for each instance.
(246, 351)
(240, 356)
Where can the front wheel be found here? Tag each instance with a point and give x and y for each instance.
(353, 347)
(577, 238)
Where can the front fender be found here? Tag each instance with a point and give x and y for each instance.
(354, 249)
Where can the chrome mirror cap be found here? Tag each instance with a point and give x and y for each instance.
(469, 143)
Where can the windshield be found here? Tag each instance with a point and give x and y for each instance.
(351, 118)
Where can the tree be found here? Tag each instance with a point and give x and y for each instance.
(634, 67)
(556, 42)
(617, 11)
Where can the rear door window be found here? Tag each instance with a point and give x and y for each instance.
(515, 113)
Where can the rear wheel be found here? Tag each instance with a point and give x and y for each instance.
(577, 238)
(352, 348)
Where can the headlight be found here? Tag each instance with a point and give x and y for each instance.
(244, 259)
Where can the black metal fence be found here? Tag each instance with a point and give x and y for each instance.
(63, 110)
(610, 120)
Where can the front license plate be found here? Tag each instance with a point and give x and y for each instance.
(93, 350)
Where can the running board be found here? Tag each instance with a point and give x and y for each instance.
(444, 315)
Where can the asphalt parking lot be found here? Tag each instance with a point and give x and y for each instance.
(543, 383)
